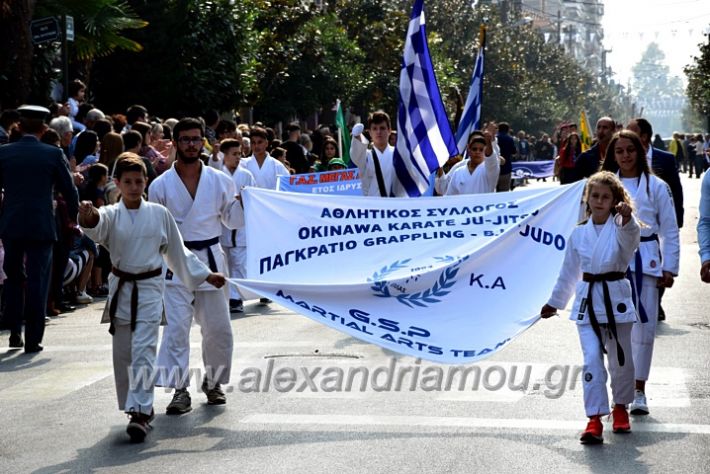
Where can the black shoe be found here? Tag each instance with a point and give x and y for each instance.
(16, 341)
(139, 425)
(66, 308)
(215, 395)
(236, 306)
(264, 301)
(33, 349)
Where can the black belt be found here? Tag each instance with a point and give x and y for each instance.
(592, 278)
(123, 277)
(205, 244)
(636, 278)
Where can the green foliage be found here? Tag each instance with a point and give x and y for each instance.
(291, 58)
(197, 56)
(698, 75)
(651, 77)
(305, 60)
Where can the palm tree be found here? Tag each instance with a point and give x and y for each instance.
(99, 28)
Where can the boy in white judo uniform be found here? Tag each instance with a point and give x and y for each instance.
(234, 241)
(376, 165)
(597, 255)
(138, 235)
(200, 199)
(265, 168)
(471, 178)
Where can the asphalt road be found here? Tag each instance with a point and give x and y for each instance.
(58, 410)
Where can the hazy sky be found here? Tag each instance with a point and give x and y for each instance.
(678, 26)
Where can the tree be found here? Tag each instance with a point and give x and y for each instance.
(659, 95)
(198, 55)
(16, 51)
(305, 61)
(698, 74)
(99, 27)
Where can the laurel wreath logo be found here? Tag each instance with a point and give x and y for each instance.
(441, 288)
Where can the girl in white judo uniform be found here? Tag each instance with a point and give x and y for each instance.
(657, 260)
(200, 199)
(139, 235)
(234, 241)
(596, 259)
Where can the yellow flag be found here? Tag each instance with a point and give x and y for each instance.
(585, 133)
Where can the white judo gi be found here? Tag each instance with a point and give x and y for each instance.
(598, 250)
(138, 240)
(362, 157)
(441, 183)
(267, 175)
(200, 222)
(461, 180)
(234, 241)
(659, 251)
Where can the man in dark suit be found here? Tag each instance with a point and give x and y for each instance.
(29, 172)
(507, 148)
(662, 163)
(590, 161)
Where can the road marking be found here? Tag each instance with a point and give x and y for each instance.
(273, 345)
(458, 422)
(57, 382)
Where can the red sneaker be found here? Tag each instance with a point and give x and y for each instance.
(620, 419)
(593, 433)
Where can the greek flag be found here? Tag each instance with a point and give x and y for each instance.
(424, 138)
(471, 117)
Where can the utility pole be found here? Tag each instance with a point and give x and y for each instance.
(604, 69)
(65, 58)
(504, 12)
(559, 27)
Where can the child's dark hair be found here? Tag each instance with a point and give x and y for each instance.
(476, 136)
(379, 116)
(97, 172)
(128, 161)
(75, 86)
(228, 143)
(278, 153)
(132, 139)
(258, 132)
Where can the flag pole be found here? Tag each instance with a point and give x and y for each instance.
(340, 132)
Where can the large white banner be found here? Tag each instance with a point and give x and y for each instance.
(450, 279)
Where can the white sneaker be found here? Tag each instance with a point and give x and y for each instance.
(639, 406)
(83, 298)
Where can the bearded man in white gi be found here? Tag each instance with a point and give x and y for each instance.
(201, 199)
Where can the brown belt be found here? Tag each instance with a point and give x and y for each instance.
(124, 277)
